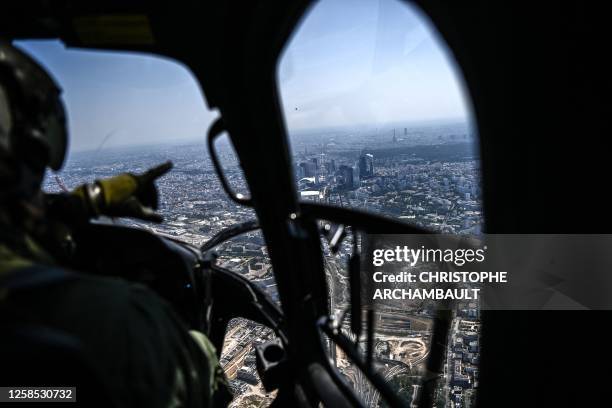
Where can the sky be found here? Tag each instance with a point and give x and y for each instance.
(368, 62)
(350, 62)
(115, 99)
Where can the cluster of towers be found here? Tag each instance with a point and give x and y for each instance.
(345, 177)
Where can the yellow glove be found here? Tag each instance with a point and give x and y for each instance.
(125, 195)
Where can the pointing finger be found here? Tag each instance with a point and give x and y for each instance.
(156, 172)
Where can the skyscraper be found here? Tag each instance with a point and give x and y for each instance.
(346, 175)
(309, 169)
(366, 166)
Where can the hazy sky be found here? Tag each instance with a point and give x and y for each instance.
(368, 62)
(351, 62)
(124, 98)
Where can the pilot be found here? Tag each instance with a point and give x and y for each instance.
(143, 351)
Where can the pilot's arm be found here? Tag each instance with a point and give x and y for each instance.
(124, 195)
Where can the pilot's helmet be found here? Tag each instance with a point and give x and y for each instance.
(33, 132)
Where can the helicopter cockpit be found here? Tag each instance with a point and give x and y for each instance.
(371, 104)
(297, 130)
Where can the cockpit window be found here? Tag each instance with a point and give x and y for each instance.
(128, 112)
(378, 117)
(379, 120)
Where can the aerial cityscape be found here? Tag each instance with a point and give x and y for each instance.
(426, 174)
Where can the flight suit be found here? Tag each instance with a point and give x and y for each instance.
(142, 350)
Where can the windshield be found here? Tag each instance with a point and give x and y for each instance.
(128, 112)
(378, 117)
(379, 120)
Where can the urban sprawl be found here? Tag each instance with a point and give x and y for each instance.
(427, 175)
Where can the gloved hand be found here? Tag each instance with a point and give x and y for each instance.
(125, 195)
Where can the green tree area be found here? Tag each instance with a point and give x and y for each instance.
(403, 384)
